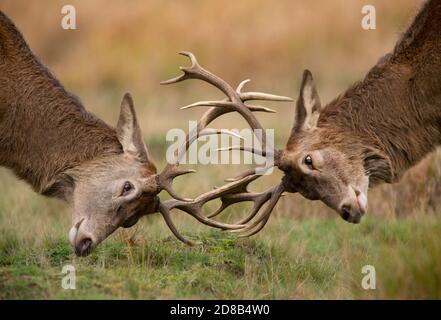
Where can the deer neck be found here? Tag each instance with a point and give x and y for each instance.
(396, 109)
(42, 138)
(390, 113)
(44, 130)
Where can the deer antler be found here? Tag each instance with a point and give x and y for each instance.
(236, 190)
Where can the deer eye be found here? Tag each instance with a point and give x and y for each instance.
(126, 188)
(308, 161)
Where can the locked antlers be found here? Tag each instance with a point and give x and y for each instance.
(237, 189)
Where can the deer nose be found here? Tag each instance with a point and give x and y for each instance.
(350, 214)
(352, 209)
(345, 213)
(83, 247)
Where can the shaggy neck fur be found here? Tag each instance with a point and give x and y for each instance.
(394, 114)
(44, 130)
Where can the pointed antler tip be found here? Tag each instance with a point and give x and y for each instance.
(189, 55)
(184, 53)
(173, 80)
(164, 82)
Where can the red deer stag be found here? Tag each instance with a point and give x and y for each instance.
(372, 133)
(48, 139)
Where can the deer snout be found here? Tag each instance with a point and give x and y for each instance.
(84, 247)
(354, 206)
(81, 241)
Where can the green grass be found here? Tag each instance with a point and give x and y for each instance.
(317, 258)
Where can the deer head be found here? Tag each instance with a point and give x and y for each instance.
(323, 164)
(112, 191)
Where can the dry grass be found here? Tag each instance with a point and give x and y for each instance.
(304, 252)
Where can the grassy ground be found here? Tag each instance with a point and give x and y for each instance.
(305, 258)
(315, 259)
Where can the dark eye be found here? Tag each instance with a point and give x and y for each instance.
(308, 161)
(126, 188)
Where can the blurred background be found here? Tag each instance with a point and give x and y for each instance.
(131, 46)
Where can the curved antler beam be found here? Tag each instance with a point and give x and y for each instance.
(235, 190)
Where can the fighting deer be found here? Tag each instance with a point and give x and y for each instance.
(106, 174)
(371, 134)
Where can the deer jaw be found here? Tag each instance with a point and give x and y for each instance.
(109, 193)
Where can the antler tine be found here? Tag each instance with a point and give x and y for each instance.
(261, 109)
(195, 71)
(208, 132)
(241, 85)
(231, 193)
(187, 70)
(218, 108)
(246, 174)
(255, 151)
(225, 103)
(166, 215)
(194, 208)
(257, 198)
(165, 180)
(274, 195)
(236, 190)
(246, 96)
(171, 171)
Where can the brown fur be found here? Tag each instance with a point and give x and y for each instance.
(44, 130)
(397, 107)
(376, 130)
(49, 139)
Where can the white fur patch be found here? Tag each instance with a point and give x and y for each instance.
(362, 201)
(73, 235)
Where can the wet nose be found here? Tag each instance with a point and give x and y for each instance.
(83, 247)
(352, 211)
(354, 206)
(345, 213)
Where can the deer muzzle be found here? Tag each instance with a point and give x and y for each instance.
(81, 241)
(353, 208)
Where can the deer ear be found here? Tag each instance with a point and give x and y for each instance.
(128, 130)
(308, 105)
